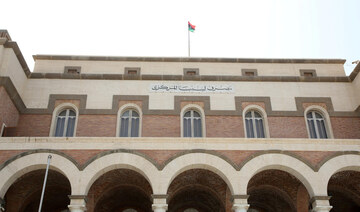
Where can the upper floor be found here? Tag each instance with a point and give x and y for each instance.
(177, 97)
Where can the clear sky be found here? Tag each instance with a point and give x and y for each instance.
(226, 28)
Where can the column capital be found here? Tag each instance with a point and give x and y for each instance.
(320, 204)
(240, 207)
(159, 202)
(77, 203)
(240, 203)
(159, 207)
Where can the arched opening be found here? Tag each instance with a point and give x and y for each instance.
(344, 189)
(277, 191)
(24, 194)
(198, 190)
(120, 190)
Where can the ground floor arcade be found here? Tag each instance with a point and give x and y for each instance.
(123, 180)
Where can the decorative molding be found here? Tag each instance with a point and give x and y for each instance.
(188, 59)
(217, 78)
(314, 198)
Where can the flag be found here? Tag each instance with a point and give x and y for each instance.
(191, 27)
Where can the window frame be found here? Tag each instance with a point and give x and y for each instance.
(122, 110)
(60, 108)
(198, 109)
(3, 126)
(263, 115)
(326, 117)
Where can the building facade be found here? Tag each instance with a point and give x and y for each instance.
(178, 134)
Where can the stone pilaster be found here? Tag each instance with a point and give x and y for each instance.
(320, 204)
(240, 203)
(159, 202)
(77, 203)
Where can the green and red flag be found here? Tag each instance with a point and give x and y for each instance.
(191, 27)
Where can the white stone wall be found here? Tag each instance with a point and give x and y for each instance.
(176, 68)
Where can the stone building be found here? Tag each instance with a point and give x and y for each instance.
(178, 134)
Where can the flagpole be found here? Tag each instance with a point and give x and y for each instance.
(188, 41)
(43, 189)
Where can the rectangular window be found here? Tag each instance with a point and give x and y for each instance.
(191, 71)
(72, 69)
(308, 72)
(249, 72)
(133, 71)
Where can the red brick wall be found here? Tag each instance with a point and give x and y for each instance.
(287, 127)
(34, 126)
(96, 126)
(8, 112)
(345, 127)
(161, 126)
(224, 126)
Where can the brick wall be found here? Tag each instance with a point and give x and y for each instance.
(287, 127)
(34, 126)
(8, 112)
(345, 127)
(96, 126)
(161, 126)
(224, 126)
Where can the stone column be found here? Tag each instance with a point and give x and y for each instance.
(320, 204)
(240, 203)
(77, 203)
(159, 202)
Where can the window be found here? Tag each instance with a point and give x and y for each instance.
(133, 71)
(2, 130)
(191, 71)
(316, 124)
(254, 125)
(192, 124)
(129, 124)
(72, 69)
(65, 123)
(308, 72)
(249, 72)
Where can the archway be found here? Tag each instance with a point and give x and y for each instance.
(276, 191)
(344, 190)
(24, 194)
(198, 190)
(120, 190)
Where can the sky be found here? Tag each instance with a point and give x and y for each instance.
(158, 28)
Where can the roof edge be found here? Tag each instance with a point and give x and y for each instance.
(188, 59)
(355, 72)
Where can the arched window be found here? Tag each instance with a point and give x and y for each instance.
(254, 124)
(65, 123)
(129, 123)
(316, 125)
(192, 126)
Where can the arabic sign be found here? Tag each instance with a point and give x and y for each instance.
(188, 88)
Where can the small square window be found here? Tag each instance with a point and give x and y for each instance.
(132, 71)
(72, 69)
(308, 72)
(191, 71)
(249, 72)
